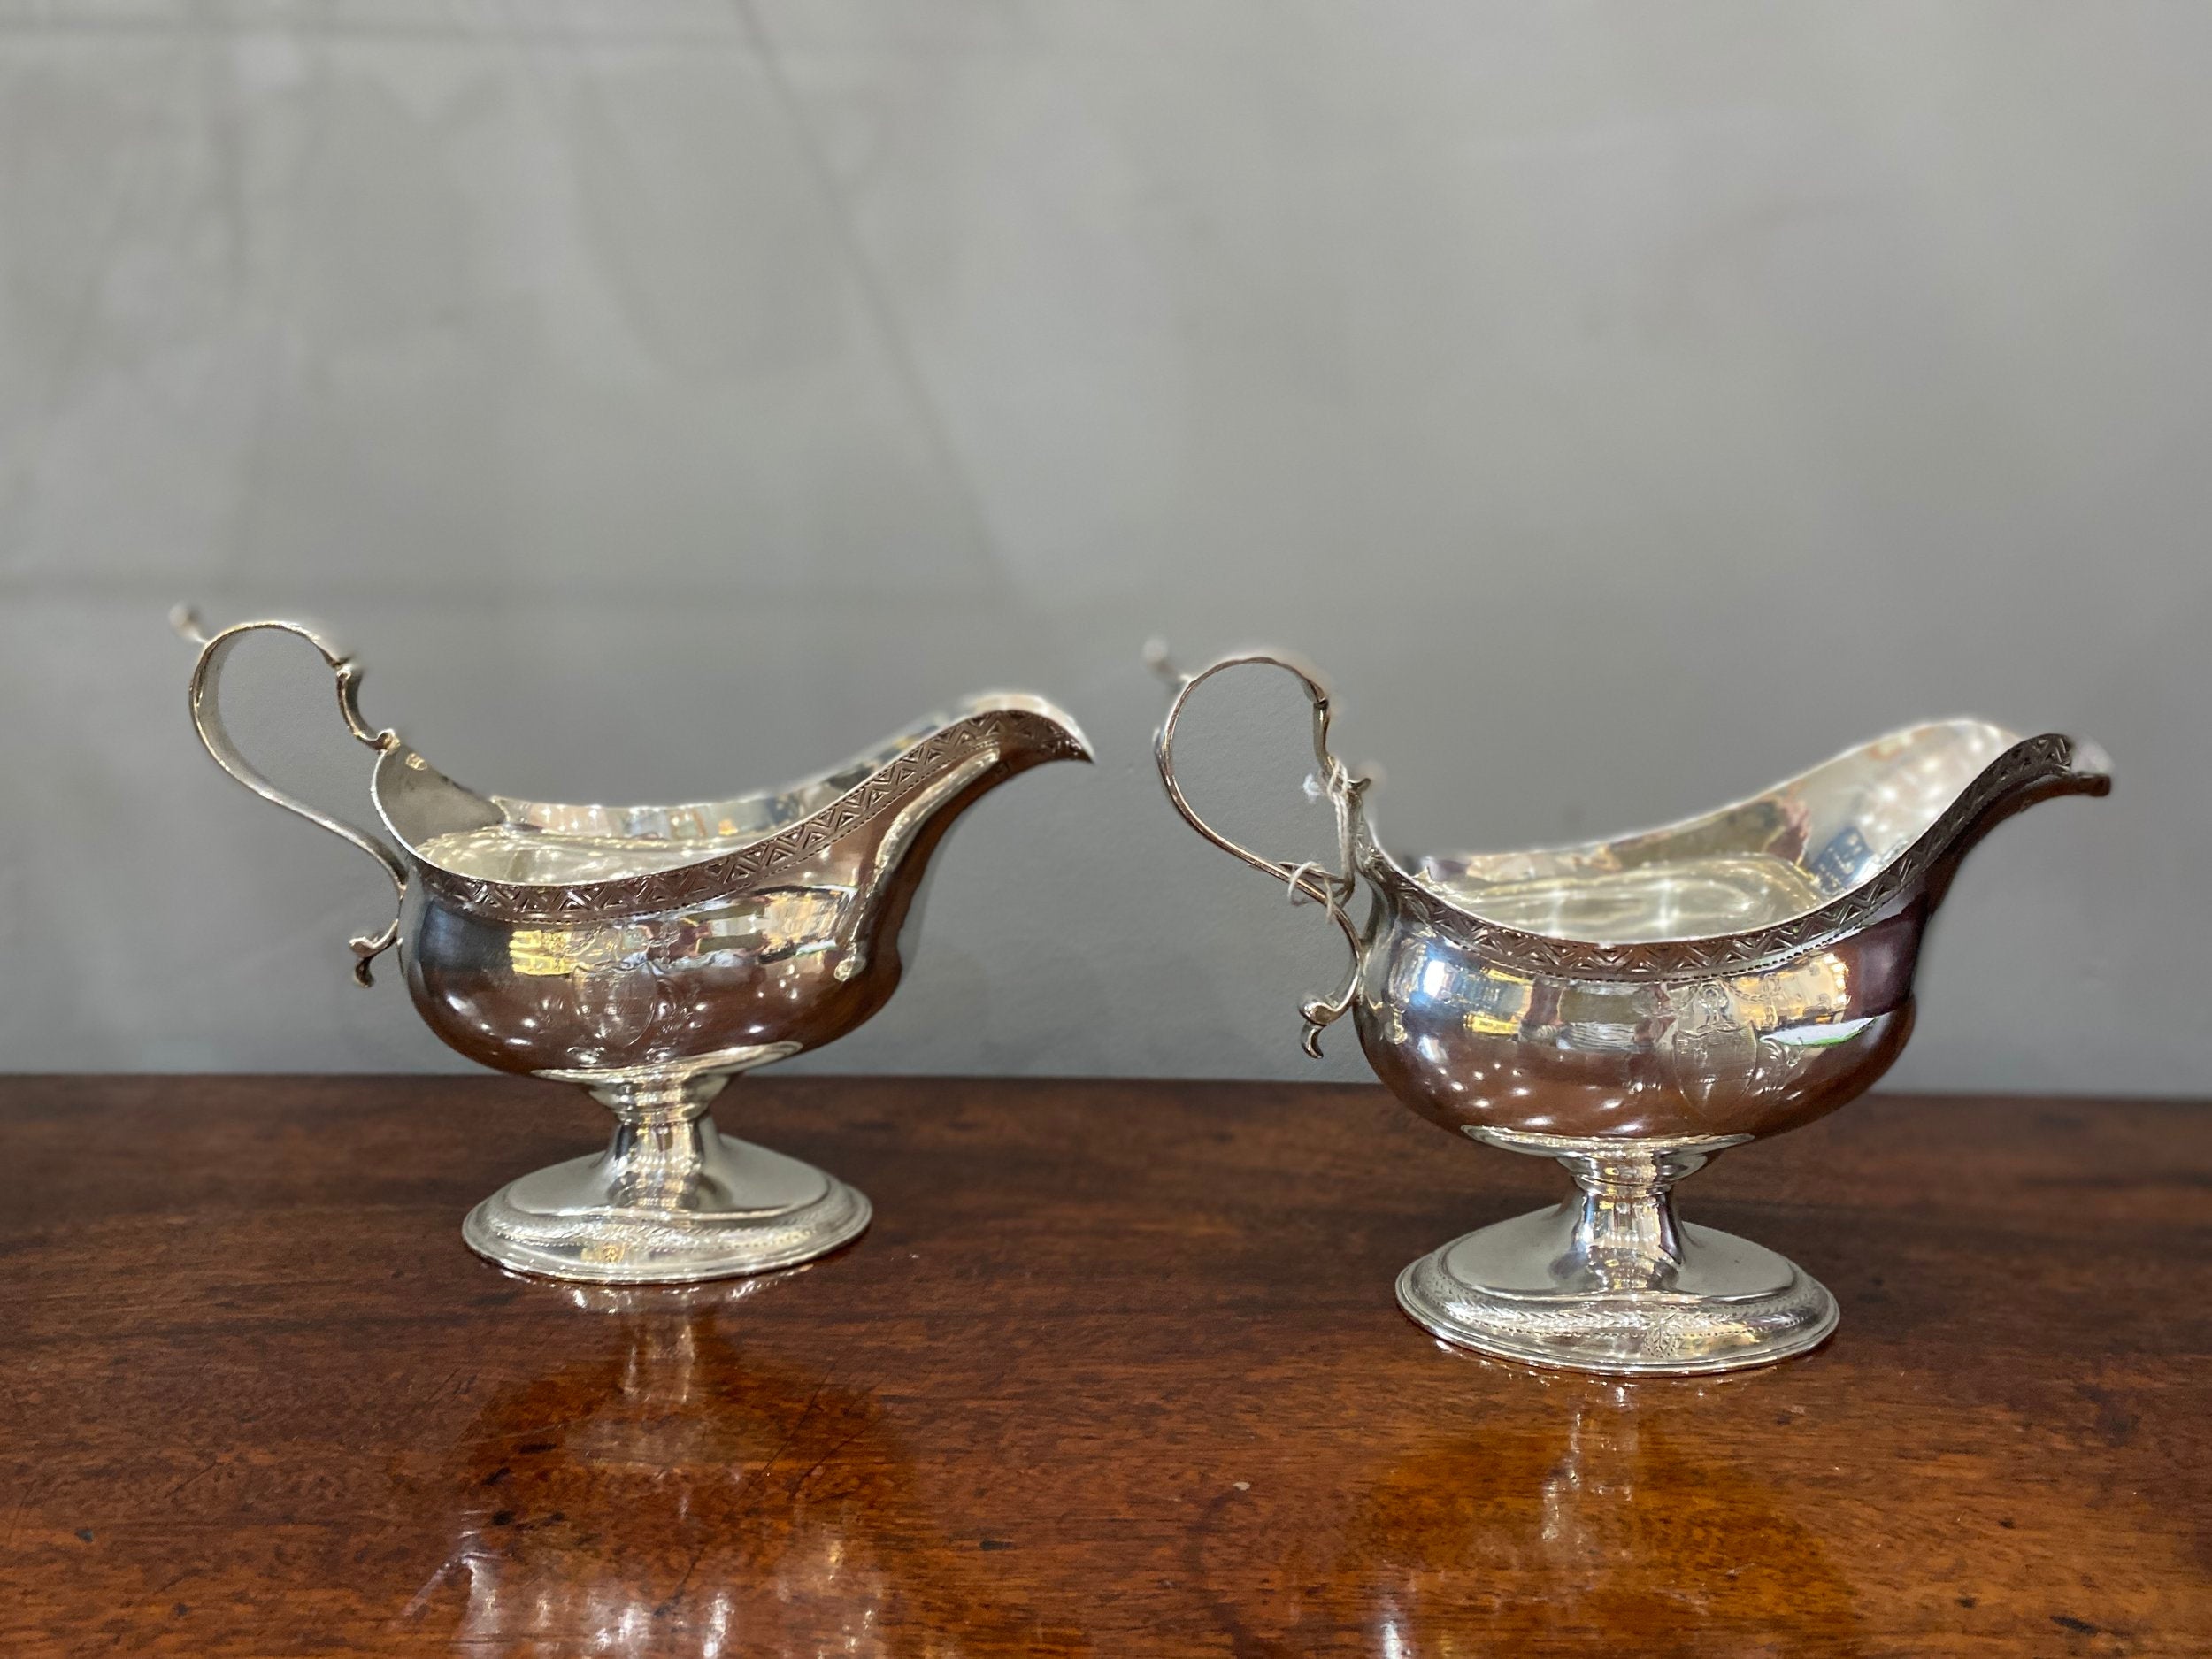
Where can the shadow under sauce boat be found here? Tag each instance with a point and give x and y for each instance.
(650, 953)
(1633, 1007)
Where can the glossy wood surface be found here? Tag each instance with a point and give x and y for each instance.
(1117, 1371)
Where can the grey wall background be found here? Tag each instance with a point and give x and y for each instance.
(1628, 404)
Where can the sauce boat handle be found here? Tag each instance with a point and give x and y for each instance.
(1329, 888)
(207, 720)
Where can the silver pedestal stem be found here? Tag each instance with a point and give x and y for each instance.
(664, 1138)
(1626, 1233)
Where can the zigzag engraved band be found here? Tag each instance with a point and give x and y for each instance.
(715, 878)
(2049, 756)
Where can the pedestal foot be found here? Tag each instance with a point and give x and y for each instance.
(671, 1200)
(1611, 1282)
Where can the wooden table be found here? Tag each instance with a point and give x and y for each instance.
(1117, 1371)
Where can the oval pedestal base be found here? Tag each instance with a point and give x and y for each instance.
(1522, 1290)
(745, 1210)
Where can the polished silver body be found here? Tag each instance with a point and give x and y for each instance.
(649, 954)
(1633, 1007)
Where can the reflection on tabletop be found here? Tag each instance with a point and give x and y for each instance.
(1567, 1514)
(669, 1493)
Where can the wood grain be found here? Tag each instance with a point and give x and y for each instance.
(1117, 1371)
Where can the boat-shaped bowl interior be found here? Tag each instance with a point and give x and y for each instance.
(544, 843)
(1781, 855)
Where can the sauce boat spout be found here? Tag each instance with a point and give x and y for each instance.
(1045, 732)
(2028, 772)
(1020, 732)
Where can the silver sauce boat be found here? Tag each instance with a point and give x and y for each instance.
(1633, 1007)
(651, 953)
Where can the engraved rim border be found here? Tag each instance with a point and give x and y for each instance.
(2050, 757)
(771, 856)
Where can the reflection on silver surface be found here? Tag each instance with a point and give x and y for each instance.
(1632, 1007)
(649, 954)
